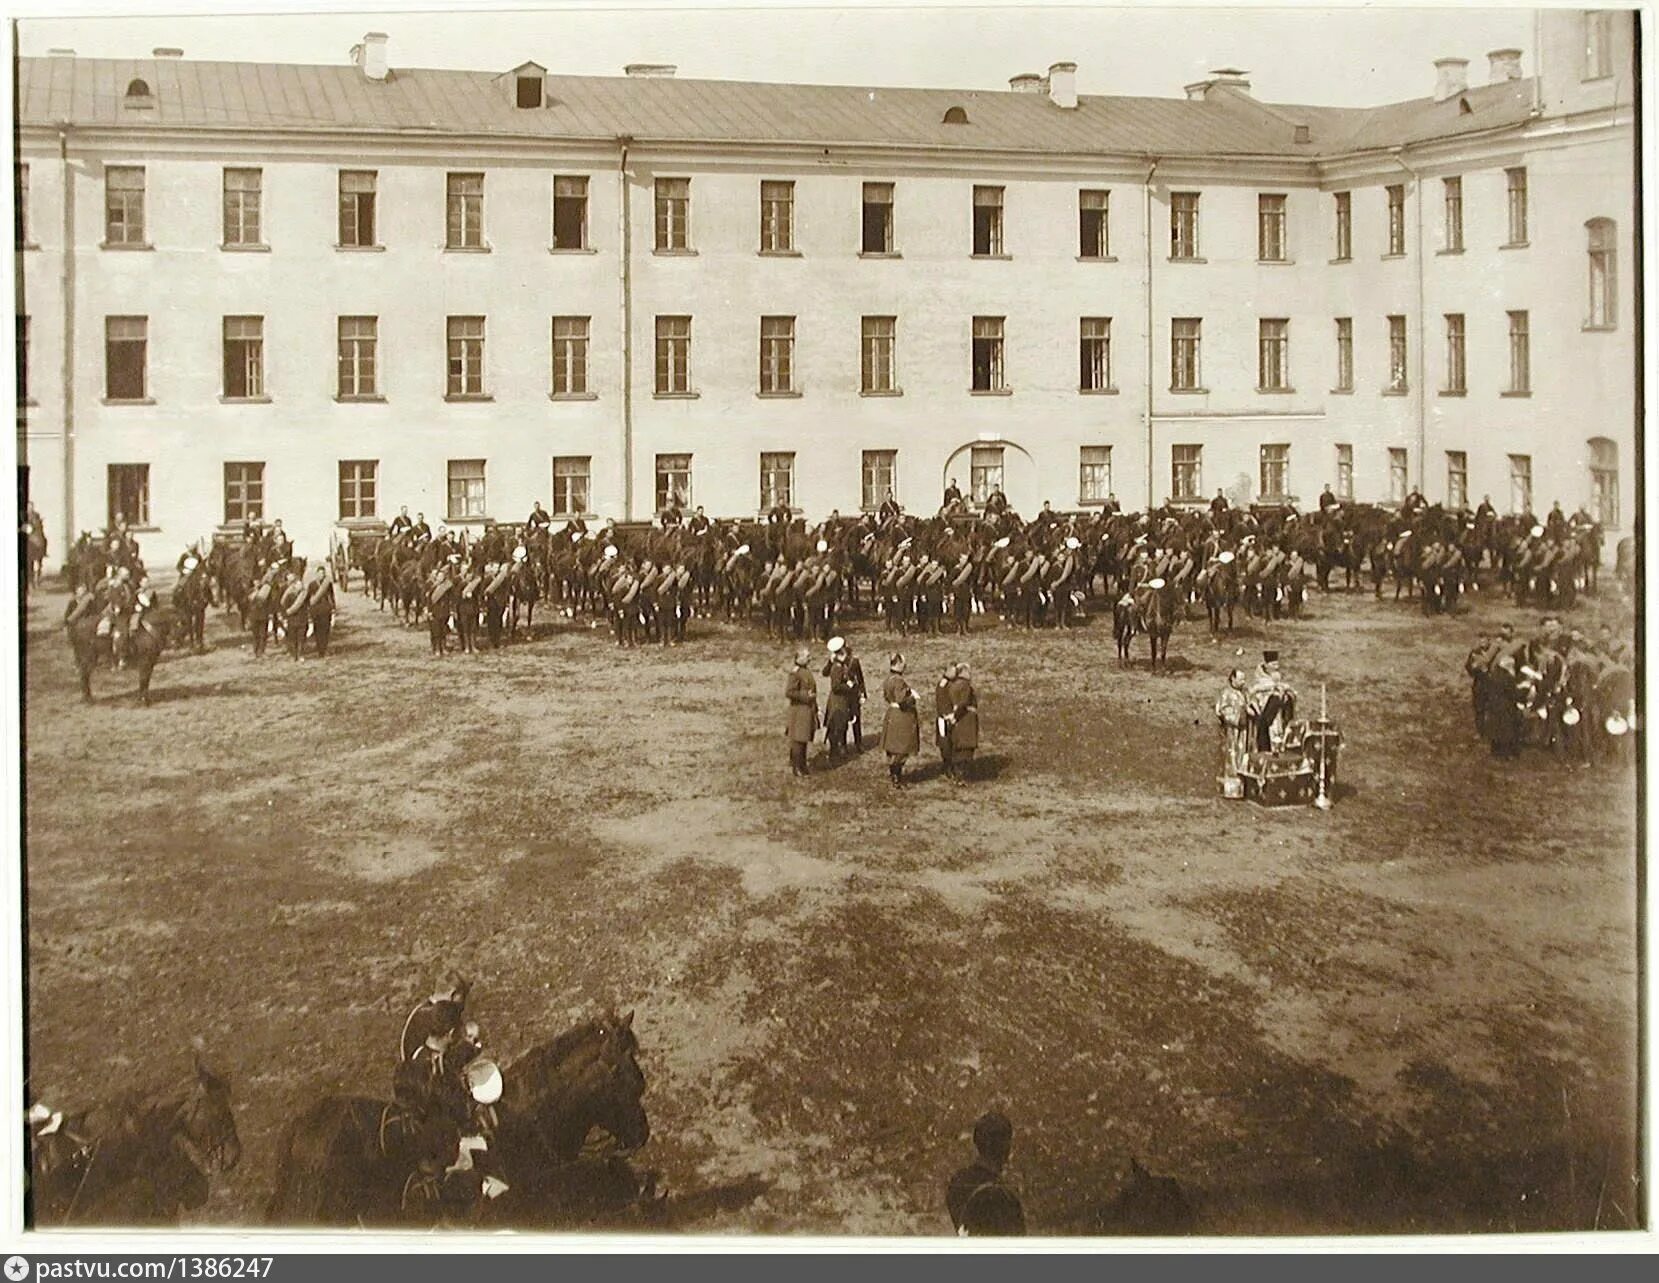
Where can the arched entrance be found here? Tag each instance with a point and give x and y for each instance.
(994, 462)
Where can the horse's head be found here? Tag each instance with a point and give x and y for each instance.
(207, 1122)
(619, 1085)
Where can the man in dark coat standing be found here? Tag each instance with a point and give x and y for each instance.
(978, 1198)
(901, 731)
(943, 709)
(963, 726)
(838, 706)
(802, 692)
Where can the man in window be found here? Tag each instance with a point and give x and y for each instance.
(538, 520)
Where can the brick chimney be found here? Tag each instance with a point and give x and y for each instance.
(650, 70)
(1505, 64)
(1451, 77)
(1027, 82)
(1062, 85)
(370, 56)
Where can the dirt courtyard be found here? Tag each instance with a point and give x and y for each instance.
(1415, 1012)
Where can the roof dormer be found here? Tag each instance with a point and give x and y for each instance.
(529, 85)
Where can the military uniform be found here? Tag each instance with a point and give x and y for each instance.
(962, 730)
(802, 693)
(839, 706)
(901, 731)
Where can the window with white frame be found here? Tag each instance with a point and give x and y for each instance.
(1183, 225)
(987, 221)
(1398, 479)
(878, 471)
(570, 212)
(464, 211)
(242, 198)
(1094, 356)
(1273, 355)
(466, 489)
(1520, 484)
(244, 345)
(124, 205)
(1396, 193)
(1457, 376)
(358, 356)
(673, 213)
(128, 494)
(357, 199)
(1094, 473)
(1186, 473)
(1344, 226)
(877, 226)
(984, 472)
(1604, 481)
(777, 355)
(570, 356)
(1515, 181)
(1520, 353)
(1457, 480)
(1453, 189)
(359, 485)
(1185, 334)
(1603, 249)
(244, 492)
(777, 481)
(673, 355)
(1275, 471)
(572, 476)
(777, 218)
(673, 481)
(466, 356)
(1345, 472)
(1270, 228)
(877, 340)
(1344, 354)
(1398, 376)
(988, 372)
(126, 350)
(1094, 238)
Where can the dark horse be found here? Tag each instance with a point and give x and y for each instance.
(139, 1160)
(334, 1169)
(1156, 611)
(143, 647)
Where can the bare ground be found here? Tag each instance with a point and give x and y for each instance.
(1415, 1012)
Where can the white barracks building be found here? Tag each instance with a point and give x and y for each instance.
(252, 290)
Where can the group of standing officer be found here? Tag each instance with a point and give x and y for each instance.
(956, 713)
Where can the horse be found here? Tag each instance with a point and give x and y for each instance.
(333, 1167)
(143, 647)
(1221, 594)
(191, 597)
(1156, 613)
(1123, 625)
(34, 556)
(139, 1160)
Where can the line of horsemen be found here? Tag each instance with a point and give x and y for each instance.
(935, 574)
(920, 574)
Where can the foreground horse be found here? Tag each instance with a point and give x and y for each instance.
(143, 649)
(334, 1167)
(139, 1160)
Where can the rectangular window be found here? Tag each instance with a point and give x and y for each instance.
(1516, 181)
(244, 357)
(984, 472)
(1183, 225)
(1603, 274)
(1397, 380)
(124, 205)
(358, 489)
(244, 493)
(878, 218)
(673, 481)
(1094, 231)
(1454, 215)
(466, 355)
(1345, 472)
(1520, 484)
(464, 211)
(129, 494)
(22, 360)
(1598, 44)
(1094, 473)
(1270, 229)
(673, 355)
(777, 218)
(879, 472)
(1344, 226)
(1094, 356)
(1344, 354)
(1273, 355)
(1604, 482)
(126, 345)
(1456, 345)
(570, 212)
(1457, 480)
(20, 220)
(571, 479)
(877, 338)
(777, 354)
(358, 356)
(1396, 218)
(1397, 482)
(987, 221)
(466, 489)
(242, 206)
(1520, 353)
(1185, 334)
(1186, 471)
(357, 191)
(777, 481)
(570, 355)
(1275, 471)
(673, 213)
(988, 373)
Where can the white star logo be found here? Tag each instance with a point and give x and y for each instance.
(17, 1269)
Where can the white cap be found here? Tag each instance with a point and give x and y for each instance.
(610, 551)
(1002, 543)
(823, 546)
(1072, 541)
(1155, 583)
(741, 550)
(190, 563)
(520, 553)
(484, 1081)
(836, 643)
(1225, 558)
(1536, 531)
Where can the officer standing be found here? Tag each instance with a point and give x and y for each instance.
(901, 730)
(802, 693)
(838, 707)
(964, 723)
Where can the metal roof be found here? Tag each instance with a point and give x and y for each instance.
(281, 96)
